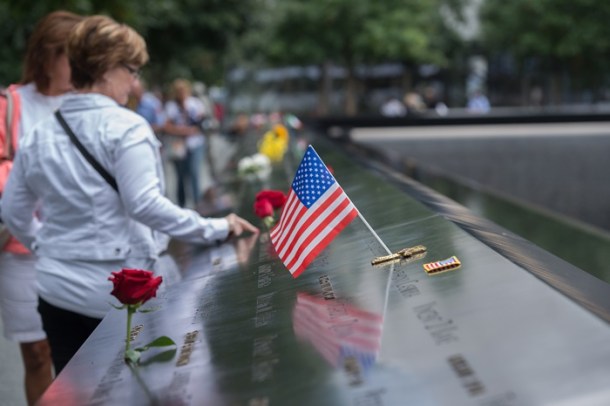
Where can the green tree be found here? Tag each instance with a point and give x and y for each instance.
(567, 36)
(349, 32)
(18, 18)
(185, 37)
(190, 38)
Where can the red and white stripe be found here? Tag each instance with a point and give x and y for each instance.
(303, 233)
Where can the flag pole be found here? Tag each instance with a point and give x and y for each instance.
(374, 233)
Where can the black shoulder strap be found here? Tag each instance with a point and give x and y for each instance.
(96, 165)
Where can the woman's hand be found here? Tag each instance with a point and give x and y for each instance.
(238, 225)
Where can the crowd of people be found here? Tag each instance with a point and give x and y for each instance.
(183, 119)
(86, 191)
(428, 100)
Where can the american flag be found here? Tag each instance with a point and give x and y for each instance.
(316, 211)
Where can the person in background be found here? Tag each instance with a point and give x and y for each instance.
(414, 103)
(478, 103)
(209, 124)
(184, 114)
(433, 101)
(393, 107)
(88, 228)
(148, 105)
(46, 79)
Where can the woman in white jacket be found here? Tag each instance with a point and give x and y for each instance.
(89, 229)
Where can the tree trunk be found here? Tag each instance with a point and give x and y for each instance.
(351, 99)
(324, 88)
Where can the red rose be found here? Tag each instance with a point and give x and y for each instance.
(263, 208)
(275, 197)
(134, 286)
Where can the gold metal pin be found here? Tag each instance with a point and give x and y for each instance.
(410, 253)
(386, 258)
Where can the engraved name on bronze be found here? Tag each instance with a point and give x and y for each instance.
(405, 284)
(264, 358)
(264, 310)
(263, 251)
(264, 276)
(187, 348)
(327, 288)
(263, 346)
(465, 373)
(442, 329)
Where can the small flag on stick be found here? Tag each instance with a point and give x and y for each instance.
(316, 211)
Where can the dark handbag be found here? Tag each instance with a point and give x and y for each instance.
(96, 165)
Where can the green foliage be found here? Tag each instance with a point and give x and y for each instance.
(565, 30)
(18, 18)
(351, 32)
(356, 31)
(555, 39)
(189, 37)
(185, 37)
(197, 39)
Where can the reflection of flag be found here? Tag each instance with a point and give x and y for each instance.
(338, 330)
(316, 211)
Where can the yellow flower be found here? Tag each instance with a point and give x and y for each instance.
(273, 145)
(281, 132)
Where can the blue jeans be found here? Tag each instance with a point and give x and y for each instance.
(188, 170)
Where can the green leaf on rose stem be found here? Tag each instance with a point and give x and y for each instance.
(132, 356)
(163, 341)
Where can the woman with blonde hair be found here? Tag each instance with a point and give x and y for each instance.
(96, 220)
(45, 81)
(184, 114)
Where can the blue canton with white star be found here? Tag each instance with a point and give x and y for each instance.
(312, 178)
